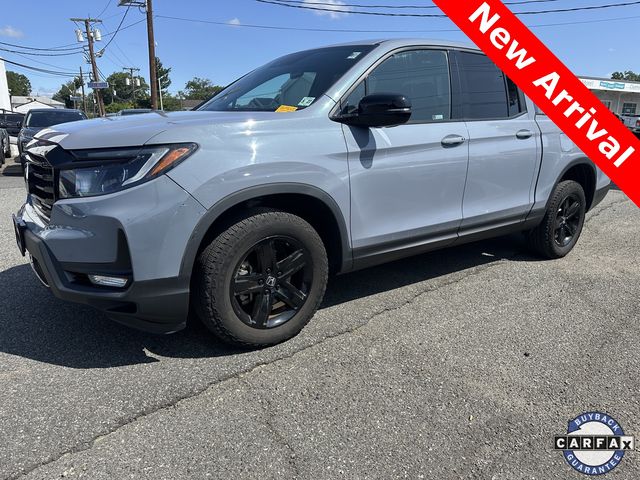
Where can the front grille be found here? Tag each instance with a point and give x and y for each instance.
(40, 181)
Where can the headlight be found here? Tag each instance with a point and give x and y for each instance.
(112, 170)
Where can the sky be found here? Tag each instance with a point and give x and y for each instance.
(229, 48)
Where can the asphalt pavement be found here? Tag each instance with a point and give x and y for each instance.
(462, 363)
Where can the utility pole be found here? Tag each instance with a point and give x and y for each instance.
(92, 56)
(153, 74)
(153, 77)
(133, 81)
(84, 98)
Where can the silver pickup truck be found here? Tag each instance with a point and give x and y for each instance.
(323, 161)
(633, 122)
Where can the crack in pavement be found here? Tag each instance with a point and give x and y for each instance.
(458, 277)
(88, 445)
(606, 208)
(267, 420)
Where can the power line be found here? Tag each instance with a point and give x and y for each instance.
(115, 44)
(338, 9)
(106, 7)
(117, 29)
(41, 70)
(114, 59)
(124, 55)
(391, 7)
(69, 46)
(338, 30)
(36, 54)
(38, 61)
(23, 47)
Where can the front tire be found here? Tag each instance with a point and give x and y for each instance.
(562, 225)
(259, 282)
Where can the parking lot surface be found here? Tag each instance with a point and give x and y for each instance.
(462, 363)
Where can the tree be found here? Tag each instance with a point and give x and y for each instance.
(115, 107)
(66, 90)
(171, 103)
(200, 89)
(163, 76)
(628, 75)
(18, 84)
(124, 93)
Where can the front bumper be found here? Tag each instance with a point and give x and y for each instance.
(117, 234)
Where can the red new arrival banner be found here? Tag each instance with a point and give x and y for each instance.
(552, 86)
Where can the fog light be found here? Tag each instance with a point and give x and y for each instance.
(104, 281)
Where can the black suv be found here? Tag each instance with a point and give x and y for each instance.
(11, 122)
(41, 118)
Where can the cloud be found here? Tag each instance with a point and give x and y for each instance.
(9, 31)
(334, 8)
(235, 22)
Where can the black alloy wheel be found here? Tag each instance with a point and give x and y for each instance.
(568, 220)
(261, 279)
(559, 231)
(272, 282)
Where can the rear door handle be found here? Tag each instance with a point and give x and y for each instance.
(524, 134)
(453, 140)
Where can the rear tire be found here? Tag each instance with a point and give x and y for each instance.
(259, 282)
(562, 225)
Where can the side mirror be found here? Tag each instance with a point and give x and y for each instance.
(379, 110)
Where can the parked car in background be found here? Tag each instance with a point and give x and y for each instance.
(11, 122)
(5, 145)
(38, 119)
(323, 161)
(133, 111)
(633, 122)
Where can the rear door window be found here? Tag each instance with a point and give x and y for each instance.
(481, 88)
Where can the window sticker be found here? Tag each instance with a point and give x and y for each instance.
(286, 109)
(354, 55)
(306, 101)
(437, 117)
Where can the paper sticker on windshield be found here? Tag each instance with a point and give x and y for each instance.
(437, 117)
(286, 109)
(354, 55)
(306, 101)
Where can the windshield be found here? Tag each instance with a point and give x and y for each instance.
(47, 119)
(290, 83)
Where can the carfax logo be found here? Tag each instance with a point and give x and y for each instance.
(594, 444)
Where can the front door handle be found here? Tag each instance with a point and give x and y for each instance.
(524, 134)
(452, 141)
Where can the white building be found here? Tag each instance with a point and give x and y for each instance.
(24, 104)
(5, 102)
(620, 96)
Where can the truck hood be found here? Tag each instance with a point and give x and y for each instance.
(137, 130)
